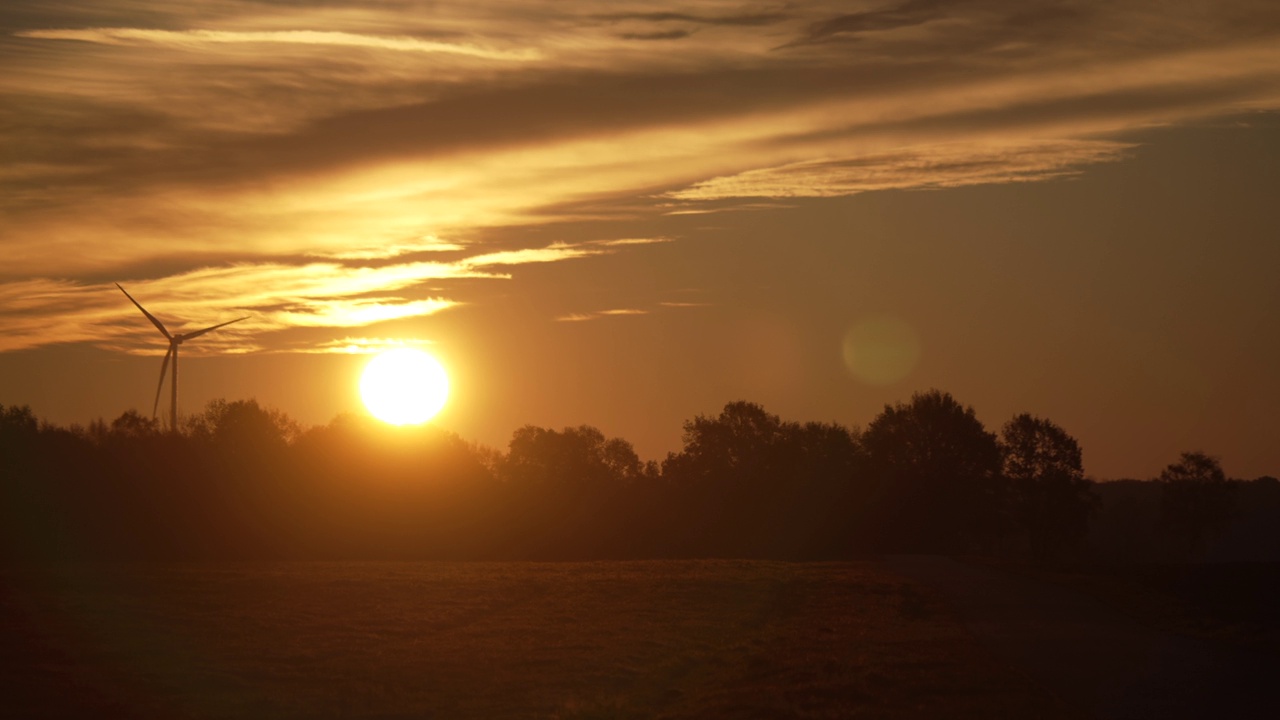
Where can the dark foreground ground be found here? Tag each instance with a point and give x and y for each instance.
(578, 640)
(1175, 642)
(673, 639)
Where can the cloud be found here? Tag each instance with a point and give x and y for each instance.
(658, 35)
(197, 39)
(620, 242)
(354, 313)
(744, 20)
(615, 312)
(276, 296)
(912, 12)
(426, 244)
(624, 312)
(361, 345)
(936, 166)
(298, 161)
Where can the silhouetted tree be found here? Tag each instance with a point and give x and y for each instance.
(18, 422)
(243, 427)
(1051, 498)
(747, 483)
(564, 491)
(719, 480)
(938, 471)
(133, 424)
(820, 468)
(1196, 501)
(244, 482)
(738, 447)
(19, 428)
(18, 432)
(575, 456)
(376, 490)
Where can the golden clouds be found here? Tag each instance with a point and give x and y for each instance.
(301, 163)
(428, 243)
(277, 296)
(362, 345)
(933, 166)
(614, 312)
(199, 38)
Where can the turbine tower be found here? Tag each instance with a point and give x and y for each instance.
(174, 342)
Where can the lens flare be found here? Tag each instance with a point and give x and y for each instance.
(881, 350)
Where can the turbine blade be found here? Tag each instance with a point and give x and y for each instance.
(150, 317)
(187, 336)
(164, 367)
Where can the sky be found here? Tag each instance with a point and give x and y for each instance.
(628, 214)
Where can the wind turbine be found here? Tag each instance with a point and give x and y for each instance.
(174, 342)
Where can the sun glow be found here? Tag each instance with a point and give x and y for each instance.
(404, 386)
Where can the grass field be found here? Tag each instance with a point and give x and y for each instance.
(681, 639)
(1233, 603)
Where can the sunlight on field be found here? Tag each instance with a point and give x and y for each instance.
(498, 640)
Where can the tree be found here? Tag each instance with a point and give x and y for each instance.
(18, 421)
(748, 484)
(580, 456)
(1051, 498)
(563, 491)
(738, 447)
(18, 430)
(938, 473)
(1196, 501)
(132, 424)
(244, 428)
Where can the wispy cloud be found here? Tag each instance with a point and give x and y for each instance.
(276, 297)
(354, 313)
(360, 345)
(621, 242)
(890, 16)
(427, 244)
(551, 253)
(299, 162)
(657, 35)
(200, 38)
(741, 19)
(946, 165)
(615, 312)
(625, 312)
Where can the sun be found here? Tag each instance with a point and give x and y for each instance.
(404, 386)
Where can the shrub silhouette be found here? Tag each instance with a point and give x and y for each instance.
(1196, 501)
(1051, 499)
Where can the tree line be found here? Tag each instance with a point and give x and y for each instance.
(244, 481)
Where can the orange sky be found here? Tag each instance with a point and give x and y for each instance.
(625, 214)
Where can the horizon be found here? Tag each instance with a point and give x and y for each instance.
(371, 420)
(625, 216)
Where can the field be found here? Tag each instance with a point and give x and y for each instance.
(1237, 604)
(673, 639)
